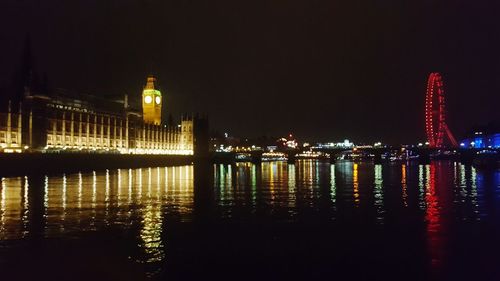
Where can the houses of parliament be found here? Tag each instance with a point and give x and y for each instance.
(66, 123)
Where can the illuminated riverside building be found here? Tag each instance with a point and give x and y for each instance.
(69, 123)
(11, 131)
(330, 145)
(482, 140)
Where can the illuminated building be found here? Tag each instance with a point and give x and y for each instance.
(312, 155)
(331, 145)
(482, 140)
(151, 103)
(289, 143)
(10, 131)
(63, 122)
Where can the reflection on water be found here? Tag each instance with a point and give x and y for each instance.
(404, 185)
(432, 198)
(433, 217)
(90, 201)
(379, 194)
(333, 187)
(355, 183)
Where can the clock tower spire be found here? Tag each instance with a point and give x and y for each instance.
(151, 102)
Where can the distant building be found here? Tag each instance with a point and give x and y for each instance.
(287, 144)
(335, 145)
(11, 131)
(63, 122)
(481, 139)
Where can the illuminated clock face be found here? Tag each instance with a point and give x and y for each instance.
(148, 99)
(157, 100)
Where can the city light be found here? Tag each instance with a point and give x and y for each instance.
(330, 151)
(482, 140)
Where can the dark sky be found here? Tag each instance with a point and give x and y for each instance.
(321, 69)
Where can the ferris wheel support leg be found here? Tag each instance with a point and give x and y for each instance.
(450, 136)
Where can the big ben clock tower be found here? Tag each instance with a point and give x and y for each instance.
(151, 103)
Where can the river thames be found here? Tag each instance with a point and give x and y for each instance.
(309, 220)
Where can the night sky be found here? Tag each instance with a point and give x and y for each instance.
(323, 70)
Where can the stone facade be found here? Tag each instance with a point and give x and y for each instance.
(62, 124)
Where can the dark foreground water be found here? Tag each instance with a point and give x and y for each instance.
(275, 221)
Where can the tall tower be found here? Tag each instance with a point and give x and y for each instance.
(151, 102)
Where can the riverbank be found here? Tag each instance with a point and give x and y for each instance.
(24, 163)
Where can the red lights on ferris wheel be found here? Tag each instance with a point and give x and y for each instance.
(435, 113)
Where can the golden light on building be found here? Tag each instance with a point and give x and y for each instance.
(151, 103)
(10, 131)
(65, 123)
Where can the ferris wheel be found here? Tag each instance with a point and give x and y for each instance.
(435, 113)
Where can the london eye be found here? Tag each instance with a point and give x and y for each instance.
(435, 113)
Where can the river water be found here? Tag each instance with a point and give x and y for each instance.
(275, 221)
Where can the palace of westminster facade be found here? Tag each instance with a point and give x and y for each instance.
(65, 124)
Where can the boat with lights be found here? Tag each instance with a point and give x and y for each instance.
(274, 156)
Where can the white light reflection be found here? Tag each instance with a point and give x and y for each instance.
(25, 217)
(64, 198)
(80, 190)
(94, 199)
(46, 194)
(333, 187)
(473, 193)
(94, 189)
(139, 186)
(462, 182)
(119, 188)
(166, 180)
(149, 184)
(107, 188)
(173, 178)
(292, 197)
(158, 183)
(421, 187)
(106, 197)
(129, 186)
(181, 182)
(253, 184)
(379, 194)
(150, 234)
(187, 176)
